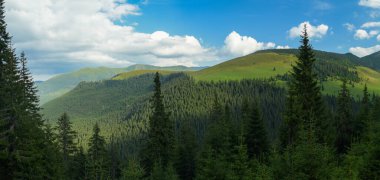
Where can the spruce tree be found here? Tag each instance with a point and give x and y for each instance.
(97, 156)
(133, 171)
(186, 152)
(78, 165)
(66, 142)
(361, 122)
(305, 107)
(343, 120)
(8, 99)
(256, 136)
(240, 162)
(29, 133)
(160, 142)
(52, 156)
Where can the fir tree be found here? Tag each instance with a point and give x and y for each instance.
(363, 118)
(97, 156)
(344, 120)
(161, 131)
(8, 102)
(65, 139)
(28, 132)
(133, 171)
(305, 107)
(240, 164)
(52, 156)
(256, 136)
(78, 165)
(186, 153)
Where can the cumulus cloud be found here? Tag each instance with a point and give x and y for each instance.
(349, 26)
(378, 38)
(283, 47)
(371, 24)
(238, 45)
(362, 34)
(361, 51)
(370, 3)
(83, 32)
(313, 31)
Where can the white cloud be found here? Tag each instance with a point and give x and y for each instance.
(83, 32)
(237, 45)
(313, 31)
(378, 38)
(361, 51)
(283, 47)
(349, 26)
(371, 24)
(361, 34)
(370, 3)
(373, 33)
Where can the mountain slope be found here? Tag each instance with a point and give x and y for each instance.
(372, 60)
(63, 83)
(276, 64)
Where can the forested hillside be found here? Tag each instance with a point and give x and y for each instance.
(372, 60)
(61, 84)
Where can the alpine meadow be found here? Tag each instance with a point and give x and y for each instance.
(92, 90)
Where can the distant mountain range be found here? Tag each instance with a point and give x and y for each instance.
(63, 83)
(262, 64)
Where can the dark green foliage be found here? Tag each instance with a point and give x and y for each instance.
(52, 159)
(78, 165)
(305, 107)
(306, 160)
(255, 133)
(66, 142)
(344, 120)
(97, 163)
(186, 152)
(22, 140)
(362, 121)
(163, 173)
(133, 171)
(240, 167)
(160, 140)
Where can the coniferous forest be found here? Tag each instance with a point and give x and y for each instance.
(180, 128)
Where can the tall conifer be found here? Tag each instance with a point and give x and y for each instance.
(305, 107)
(159, 145)
(344, 120)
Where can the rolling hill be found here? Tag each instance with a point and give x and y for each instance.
(61, 84)
(275, 64)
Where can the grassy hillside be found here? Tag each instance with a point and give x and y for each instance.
(61, 84)
(127, 75)
(275, 64)
(255, 66)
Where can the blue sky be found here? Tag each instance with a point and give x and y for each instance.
(212, 20)
(60, 36)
